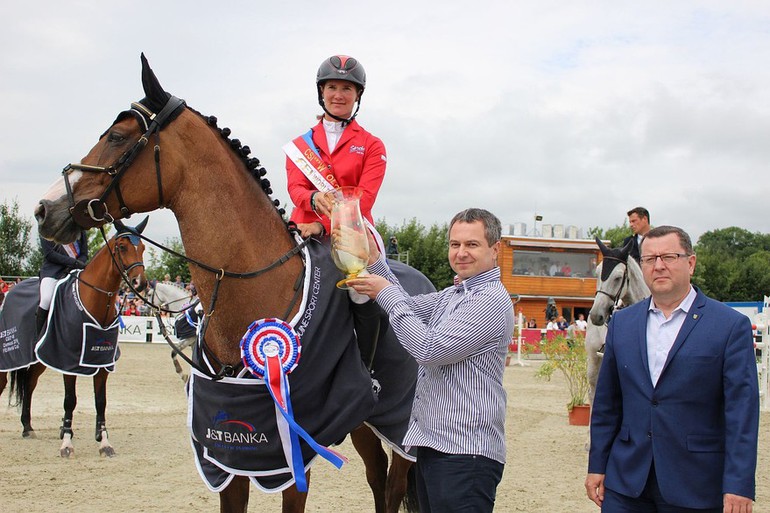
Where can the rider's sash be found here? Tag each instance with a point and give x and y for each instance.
(301, 151)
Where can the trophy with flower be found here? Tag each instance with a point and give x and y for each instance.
(350, 246)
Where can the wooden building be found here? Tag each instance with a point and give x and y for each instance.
(537, 268)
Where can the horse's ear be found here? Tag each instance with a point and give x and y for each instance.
(141, 226)
(604, 249)
(154, 95)
(627, 249)
(119, 226)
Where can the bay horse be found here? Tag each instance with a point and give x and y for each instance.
(246, 263)
(95, 289)
(620, 283)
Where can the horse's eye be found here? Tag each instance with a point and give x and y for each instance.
(115, 137)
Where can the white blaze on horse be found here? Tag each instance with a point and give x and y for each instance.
(80, 337)
(619, 283)
(247, 264)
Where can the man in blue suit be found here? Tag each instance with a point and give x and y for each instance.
(676, 414)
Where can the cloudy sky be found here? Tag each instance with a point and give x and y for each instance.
(576, 111)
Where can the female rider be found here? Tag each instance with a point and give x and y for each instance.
(338, 148)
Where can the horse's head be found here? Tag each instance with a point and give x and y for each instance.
(89, 193)
(127, 249)
(612, 281)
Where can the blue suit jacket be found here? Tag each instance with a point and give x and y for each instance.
(699, 424)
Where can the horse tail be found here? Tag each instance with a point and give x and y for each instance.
(19, 379)
(410, 502)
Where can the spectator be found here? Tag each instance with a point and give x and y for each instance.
(392, 246)
(674, 424)
(581, 323)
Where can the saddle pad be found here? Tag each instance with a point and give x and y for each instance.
(17, 326)
(73, 341)
(233, 423)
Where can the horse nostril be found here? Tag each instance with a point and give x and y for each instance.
(40, 212)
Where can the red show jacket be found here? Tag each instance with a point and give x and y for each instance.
(358, 159)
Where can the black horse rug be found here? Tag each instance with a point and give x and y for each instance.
(236, 427)
(73, 341)
(17, 326)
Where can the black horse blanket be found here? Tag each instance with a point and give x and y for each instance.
(74, 342)
(17, 326)
(233, 422)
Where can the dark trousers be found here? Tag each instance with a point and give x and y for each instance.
(448, 483)
(650, 501)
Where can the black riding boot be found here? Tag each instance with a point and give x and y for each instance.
(366, 321)
(40, 317)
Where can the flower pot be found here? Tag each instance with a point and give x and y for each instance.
(508, 360)
(580, 415)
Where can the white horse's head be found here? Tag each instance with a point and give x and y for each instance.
(170, 297)
(620, 281)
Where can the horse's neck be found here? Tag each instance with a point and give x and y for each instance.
(227, 222)
(101, 273)
(636, 289)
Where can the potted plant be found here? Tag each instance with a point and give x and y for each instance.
(569, 357)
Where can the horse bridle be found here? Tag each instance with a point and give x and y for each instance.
(623, 284)
(117, 261)
(89, 213)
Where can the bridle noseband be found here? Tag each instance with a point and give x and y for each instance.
(623, 284)
(89, 213)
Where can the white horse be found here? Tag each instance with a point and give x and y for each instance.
(174, 299)
(620, 282)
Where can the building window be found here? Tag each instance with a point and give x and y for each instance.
(553, 263)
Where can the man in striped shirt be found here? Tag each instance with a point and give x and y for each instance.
(459, 337)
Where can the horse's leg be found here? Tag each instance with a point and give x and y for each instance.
(293, 500)
(70, 401)
(396, 487)
(235, 498)
(177, 366)
(3, 382)
(100, 401)
(376, 462)
(31, 377)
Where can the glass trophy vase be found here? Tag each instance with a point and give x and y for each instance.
(350, 246)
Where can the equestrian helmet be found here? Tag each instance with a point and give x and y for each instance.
(342, 67)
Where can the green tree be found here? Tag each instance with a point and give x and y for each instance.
(18, 243)
(160, 263)
(733, 264)
(615, 235)
(427, 248)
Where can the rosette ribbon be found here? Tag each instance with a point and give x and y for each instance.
(270, 349)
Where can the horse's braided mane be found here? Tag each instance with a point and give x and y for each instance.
(252, 164)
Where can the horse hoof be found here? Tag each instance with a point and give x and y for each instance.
(67, 452)
(29, 434)
(108, 452)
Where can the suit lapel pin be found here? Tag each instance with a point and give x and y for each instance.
(695, 317)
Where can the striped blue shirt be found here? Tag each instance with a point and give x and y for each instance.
(459, 337)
